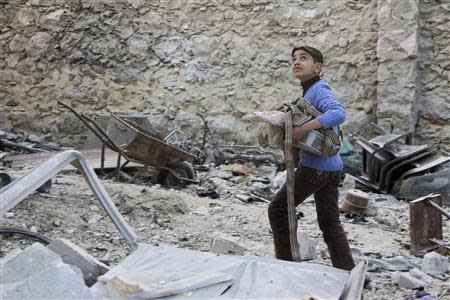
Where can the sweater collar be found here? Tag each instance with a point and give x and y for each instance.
(308, 83)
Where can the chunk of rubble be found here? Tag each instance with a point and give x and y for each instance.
(427, 279)
(435, 264)
(414, 279)
(407, 280)
(226, 244)
(39, 273)
(307, 246)
(71, 254)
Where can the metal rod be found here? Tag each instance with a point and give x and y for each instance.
(16, 191)
(439, 209)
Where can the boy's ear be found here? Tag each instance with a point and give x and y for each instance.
(318, 68)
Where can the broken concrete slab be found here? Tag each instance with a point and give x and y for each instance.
(71, 254)
(39, 273)
(435, 264)
(226, 244)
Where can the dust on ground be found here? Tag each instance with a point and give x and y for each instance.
(181, 218)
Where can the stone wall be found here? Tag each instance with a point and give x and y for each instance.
(186, 62)
(434, 72)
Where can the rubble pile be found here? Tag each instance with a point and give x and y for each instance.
(229, 223)
(24, 142)
(224, 213)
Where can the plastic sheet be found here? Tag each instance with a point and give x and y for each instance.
(164, 271)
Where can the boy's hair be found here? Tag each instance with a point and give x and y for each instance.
(315, 54)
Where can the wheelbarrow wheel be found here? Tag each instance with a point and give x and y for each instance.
(182, 169)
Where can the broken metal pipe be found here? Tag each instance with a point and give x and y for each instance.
(15, 192)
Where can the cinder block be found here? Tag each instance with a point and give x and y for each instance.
(71, 254)
(225, 244)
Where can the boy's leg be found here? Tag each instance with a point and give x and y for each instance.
(328, 217)
(305, 180)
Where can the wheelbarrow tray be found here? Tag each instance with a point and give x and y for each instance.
(139, 144)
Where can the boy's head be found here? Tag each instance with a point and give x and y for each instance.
(306, 62)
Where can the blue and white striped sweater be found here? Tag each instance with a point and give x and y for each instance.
(333, 114)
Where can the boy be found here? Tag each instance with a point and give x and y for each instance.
(314, 175)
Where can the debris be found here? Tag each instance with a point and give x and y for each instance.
(73, 255)
(206, 192)
(225, 244)
(14, 193)
(391, 165)
(425, 223)
(435, 264)
(307, 246)
(29, 233)
(47, 277)
(152, 272)
(243, 198)
(427, 279)
(239, 169)
(397, 263)
(408, 281)
(348, 183)
(355, 201)
(243, 153)
(422, 295)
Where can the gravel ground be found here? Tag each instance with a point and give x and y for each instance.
(179, 217)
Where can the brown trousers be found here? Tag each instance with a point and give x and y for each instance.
(324, 186)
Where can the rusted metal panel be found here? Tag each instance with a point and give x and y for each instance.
(425, 223)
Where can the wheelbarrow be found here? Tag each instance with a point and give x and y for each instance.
(136, 144)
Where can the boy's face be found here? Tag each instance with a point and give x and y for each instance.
(303, 65)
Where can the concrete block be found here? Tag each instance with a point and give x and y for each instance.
(435, 264)
(427, 279)
(307, 246)
(408, 281)
(71, 254)
(39, 273)
(225, 244)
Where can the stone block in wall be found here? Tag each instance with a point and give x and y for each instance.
(393, 14)
(397, 44)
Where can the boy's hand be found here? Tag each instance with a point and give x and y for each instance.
(298, 132)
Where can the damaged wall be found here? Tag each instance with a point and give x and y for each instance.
(181, 61)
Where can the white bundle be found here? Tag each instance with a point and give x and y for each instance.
(274, 128)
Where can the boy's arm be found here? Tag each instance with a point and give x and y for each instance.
(334, 113)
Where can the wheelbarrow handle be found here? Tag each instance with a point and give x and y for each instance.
(93, 126)
(100, 133)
